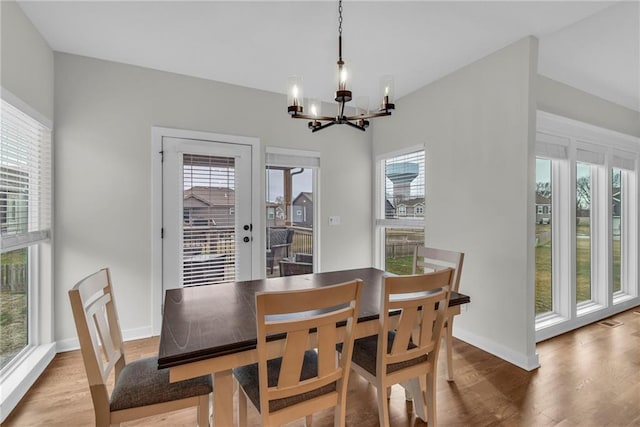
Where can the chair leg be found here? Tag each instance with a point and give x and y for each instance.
(448, 341)
(242, 408)
(339, 415)
(203, 411)
(383, 405)
(431, 398)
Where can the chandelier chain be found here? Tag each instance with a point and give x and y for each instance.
(340, 18)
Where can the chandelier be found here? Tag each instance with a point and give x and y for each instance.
(342, 96)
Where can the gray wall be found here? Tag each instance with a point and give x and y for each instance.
(27, 60)
(104, 114)
(563, 100)
(478, 127)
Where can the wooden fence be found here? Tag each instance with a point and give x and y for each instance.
(13, 278)
(400, 249)
(302, 241)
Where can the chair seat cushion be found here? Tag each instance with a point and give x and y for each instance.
(248, 379)
(141, 383)
(365, 354)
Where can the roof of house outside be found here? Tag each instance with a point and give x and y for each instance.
(305, 194)
(211, 196)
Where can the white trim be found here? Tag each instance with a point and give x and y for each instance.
(18, 382)
(26, 108)
(573, 129)
(528, 362)
(257, 206)
(599, 148)
(561, 328)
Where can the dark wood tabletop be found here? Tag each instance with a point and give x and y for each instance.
(201, 322)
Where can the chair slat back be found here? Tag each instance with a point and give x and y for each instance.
(427, 259)
(298, 315)
(97, 325)
(422, 301)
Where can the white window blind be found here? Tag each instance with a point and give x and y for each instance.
(284, 157)
(25, 179)
(551, 146)
(208, 219)
(592, 157)
(404, 186)
(623, 160)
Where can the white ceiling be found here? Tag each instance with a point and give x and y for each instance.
(593, 46)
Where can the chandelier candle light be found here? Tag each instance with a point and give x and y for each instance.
(342, 96)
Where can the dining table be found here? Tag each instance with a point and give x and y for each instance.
(211, 329)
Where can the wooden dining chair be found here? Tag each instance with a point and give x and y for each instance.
(300, 373)
(399, 355)
(427, 259)
(140, 389)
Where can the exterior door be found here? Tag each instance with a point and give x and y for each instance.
(206, 212)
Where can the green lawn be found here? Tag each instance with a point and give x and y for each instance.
(13, 310)
(544, 303)
(13, 325)
(400, 265)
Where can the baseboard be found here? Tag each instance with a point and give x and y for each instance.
(526, 362)
(71, 344)
(18, 382)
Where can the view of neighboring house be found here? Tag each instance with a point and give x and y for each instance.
(543, 209)
(208, 206)
(302, 210)
(409, 208)
(275, 214)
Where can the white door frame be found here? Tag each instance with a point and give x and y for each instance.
(257, 264)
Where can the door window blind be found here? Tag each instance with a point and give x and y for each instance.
(25, 179)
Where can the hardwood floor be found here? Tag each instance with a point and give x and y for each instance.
(588, 377)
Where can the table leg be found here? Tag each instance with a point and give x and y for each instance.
(223, 399)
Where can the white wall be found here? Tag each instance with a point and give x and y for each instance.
(478, 126)
(27, 60)
(563, 100)
(104, 115)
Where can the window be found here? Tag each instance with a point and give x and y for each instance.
(292, 204)
(616, 225)
(544, 294)
(583, 232)
(25, 216)
(586, 224)
(401, 184)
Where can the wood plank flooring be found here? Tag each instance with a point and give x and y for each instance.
(588, 377)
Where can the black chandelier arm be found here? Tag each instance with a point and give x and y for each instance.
(333, 118)
(324, 126)
(310, 117)
(353, 125)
